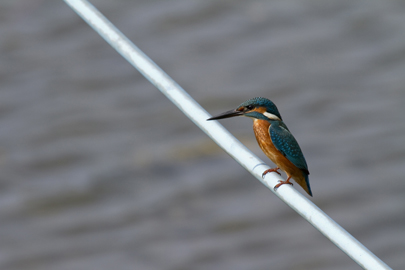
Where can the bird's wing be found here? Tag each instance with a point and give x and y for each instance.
(285, 142)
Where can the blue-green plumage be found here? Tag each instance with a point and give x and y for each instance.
(285, 142)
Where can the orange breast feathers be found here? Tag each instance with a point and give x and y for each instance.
(261, 129)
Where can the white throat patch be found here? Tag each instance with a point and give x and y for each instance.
(271, 116)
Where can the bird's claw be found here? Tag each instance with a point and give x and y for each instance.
(281, 182)
(271, 170)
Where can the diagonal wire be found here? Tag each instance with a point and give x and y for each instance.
(327, 226)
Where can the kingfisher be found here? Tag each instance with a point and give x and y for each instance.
(275, 140)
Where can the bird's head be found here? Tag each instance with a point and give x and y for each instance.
(256, 108)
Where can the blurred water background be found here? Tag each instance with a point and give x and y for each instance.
(98, 170)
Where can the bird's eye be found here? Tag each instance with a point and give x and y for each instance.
(249, 107)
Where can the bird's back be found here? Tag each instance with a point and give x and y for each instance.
(261, 129)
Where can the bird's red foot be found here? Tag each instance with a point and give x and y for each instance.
(282, 183)
(271, 170)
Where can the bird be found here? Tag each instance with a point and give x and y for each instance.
(275, 140)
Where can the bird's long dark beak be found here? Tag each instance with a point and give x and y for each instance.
(227, 114)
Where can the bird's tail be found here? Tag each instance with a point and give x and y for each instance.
(308, 189)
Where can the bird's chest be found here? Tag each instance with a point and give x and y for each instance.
(261, 129)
